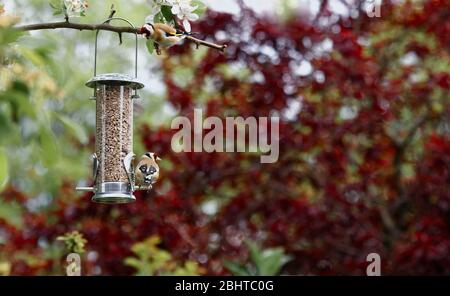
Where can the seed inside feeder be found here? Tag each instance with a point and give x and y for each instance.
(114, 137)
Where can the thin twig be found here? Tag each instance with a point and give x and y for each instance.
(111, 15)
(208, 44)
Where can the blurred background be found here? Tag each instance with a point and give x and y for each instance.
(364, 142)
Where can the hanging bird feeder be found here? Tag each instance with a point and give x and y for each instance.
(113, 171)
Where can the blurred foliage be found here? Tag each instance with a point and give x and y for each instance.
(152, 260)
(69, 8)
(266, 262)
(5, 268)
(3, 169)
(74, 241)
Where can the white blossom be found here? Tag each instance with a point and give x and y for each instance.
(184, 11)
(76, 7)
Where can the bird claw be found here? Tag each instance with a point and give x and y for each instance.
(95, 165)
(146, 187)
(158, 49)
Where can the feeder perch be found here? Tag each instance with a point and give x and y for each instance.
(113, 171)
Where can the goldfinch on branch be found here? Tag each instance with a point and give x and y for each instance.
(164, 35)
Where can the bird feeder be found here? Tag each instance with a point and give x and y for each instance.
(113, 173)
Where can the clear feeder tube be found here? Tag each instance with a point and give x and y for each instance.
(114, 132)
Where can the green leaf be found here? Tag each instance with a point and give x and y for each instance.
(6, 125)
(159, 18)
(150, 46)
(268, 262)
(19, 99)
(49, 145)
(11, 212)
(167, 13)
(255, 252)
(3, 168)
(9, 35)
(74, 128)
(272, 262)
(57, 6)
(201, 9)
(189, 268)
(236, 269)
(74, 241)
(33, 56)
(133, 262)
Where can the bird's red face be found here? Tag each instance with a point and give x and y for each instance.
(153, 156)
(147, 30)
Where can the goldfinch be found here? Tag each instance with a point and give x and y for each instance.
(147, 170)
(164, 35)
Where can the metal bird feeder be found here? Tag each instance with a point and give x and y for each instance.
(113, 171)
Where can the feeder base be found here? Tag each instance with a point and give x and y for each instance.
(113, 198)
(113, 193)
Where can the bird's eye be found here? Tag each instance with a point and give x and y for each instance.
(151, 170)
(143, 168)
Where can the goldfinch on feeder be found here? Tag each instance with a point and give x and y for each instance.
(164, 35)
(147, 170)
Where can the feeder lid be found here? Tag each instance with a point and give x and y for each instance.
(115, 79)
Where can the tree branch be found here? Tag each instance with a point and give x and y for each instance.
(400, 152)
(108, 27)
(81, 27)
(401, 201)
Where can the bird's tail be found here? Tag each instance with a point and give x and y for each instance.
(184, 33)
